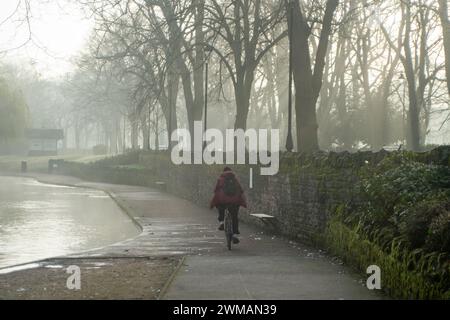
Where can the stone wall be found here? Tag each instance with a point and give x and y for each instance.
(301, 196)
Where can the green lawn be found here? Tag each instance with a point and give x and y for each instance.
(12, 163)
(130, 166)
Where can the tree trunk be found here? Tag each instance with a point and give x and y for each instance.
(134, 133)
(119, 135)
(384, 100)
(106, 135)
(192, 85)
(372, 114)
(413, 112)
(65, 139)
(280, 82)
(77, 135)
(156, 128)
(168, 104)
(114, 134)
(199, 63)
(307, 83)
(145, 128)
(269, 91)
(242, 95)
(443, 14)
(124, 143)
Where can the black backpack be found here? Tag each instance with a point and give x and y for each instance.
(230, 187)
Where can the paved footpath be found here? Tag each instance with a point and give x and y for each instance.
(262, 266)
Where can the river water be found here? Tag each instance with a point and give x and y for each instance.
(39, 221)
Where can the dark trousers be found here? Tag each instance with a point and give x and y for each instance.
(234, 210)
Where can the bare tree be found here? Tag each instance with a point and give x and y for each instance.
(21, 14)
(414, 64)
(244, 26)
(308, 76)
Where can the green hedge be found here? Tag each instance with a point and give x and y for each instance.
(129, 175)
(404, 275)
(401, 223)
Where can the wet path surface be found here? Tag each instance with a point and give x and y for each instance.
(262, 266)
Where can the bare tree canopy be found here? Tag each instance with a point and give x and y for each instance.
(366, 74)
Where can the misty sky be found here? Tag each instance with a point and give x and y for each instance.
(59, 29)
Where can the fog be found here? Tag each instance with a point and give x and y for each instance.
(119, 75)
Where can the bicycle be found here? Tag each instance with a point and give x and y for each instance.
(228, 228)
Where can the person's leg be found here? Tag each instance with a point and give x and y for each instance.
(221, 210)
(234, 210)
(234, 218)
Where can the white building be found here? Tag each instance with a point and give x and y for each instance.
(44, 142)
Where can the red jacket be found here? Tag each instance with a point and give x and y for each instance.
(221, 198)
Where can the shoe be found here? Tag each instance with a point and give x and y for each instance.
(221, 227)
(235, 240)
(237, 232)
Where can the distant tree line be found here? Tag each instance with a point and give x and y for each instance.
(14, 116)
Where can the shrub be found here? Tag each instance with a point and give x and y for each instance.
(438, 236)
(406, 274)
(402, 224)
(402, 197)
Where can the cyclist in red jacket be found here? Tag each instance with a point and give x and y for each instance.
(228, 193)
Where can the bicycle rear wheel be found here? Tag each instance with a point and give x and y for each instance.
(229, 239)
(228, 228)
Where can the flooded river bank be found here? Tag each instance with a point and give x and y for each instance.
(38, 220)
